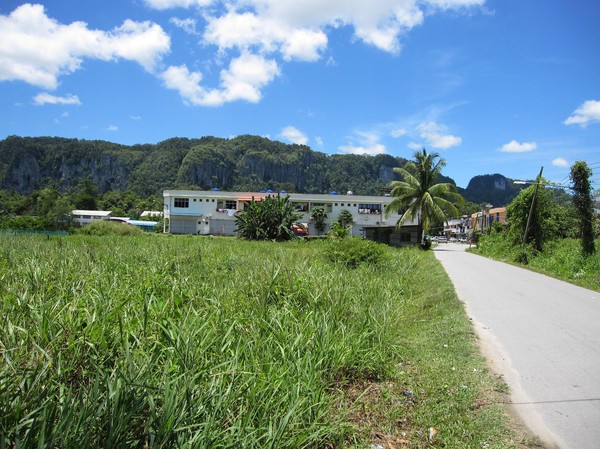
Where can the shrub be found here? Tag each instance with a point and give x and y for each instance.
(105, 227)
(355, 251)
(269, 219)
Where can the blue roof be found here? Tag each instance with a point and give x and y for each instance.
(142, 223)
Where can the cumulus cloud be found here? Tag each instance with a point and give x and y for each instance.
(251, 37)
(436, 135)
(247, 30)
(586, 113)
(297, 30)
(294, 135)
(112, 128)
(560, 162)
(38, 50)
(243, 80)
(517, 147)
(46, 98)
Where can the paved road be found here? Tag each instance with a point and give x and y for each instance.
(543, 336)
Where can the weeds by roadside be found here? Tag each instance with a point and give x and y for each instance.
(561, 259)
(208, 342)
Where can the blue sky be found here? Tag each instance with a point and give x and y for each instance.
(494, 86)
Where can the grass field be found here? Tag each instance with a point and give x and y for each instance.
(191, 342)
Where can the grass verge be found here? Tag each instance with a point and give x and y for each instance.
(561, 259)
(161, 341)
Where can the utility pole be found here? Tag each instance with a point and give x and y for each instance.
(537, 185)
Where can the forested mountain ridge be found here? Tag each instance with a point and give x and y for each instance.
(243, 163)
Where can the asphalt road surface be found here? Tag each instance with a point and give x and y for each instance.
(543, 336)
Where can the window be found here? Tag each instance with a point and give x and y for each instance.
(181, 202)
(369, 208)
(300, 207)
(228, 204)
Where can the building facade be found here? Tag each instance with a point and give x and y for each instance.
(85, 217)
(214, 213)
(484, 220)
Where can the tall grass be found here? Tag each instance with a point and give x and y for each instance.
(161, 342)
(561, 258)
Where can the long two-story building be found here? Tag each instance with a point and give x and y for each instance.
(214, 213)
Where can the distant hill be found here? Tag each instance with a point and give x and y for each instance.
(244, 163)
(491, 189)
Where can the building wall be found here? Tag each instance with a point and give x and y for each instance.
(214, 213)
(483, 220)
(85, 217)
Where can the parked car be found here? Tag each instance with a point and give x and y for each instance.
(442, 239)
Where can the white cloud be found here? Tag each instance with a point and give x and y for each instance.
(294, 135)
(246, 30)
(447, 4)
(586, 113)
(112, 128)
(38, 50)
(371, 150)
(436, 137)
(516, 147)
(46, 98)
(560, 162)
(243, 80)
(297, 30)
(414, 146)
(188, 25)
(364, 142)
(398, 132)
(319, 141)
(167, 4)
(251, 36)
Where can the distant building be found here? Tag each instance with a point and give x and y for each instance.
(484, 219)
(151, 214)
(458, 228)
(85, 217)
(214, 213)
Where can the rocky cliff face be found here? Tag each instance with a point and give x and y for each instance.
(247, 163)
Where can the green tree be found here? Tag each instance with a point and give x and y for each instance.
(580, 175)
(518, 214)
(86, 195)
(269, 219)
(345, 218)
(419, 196)
(318, 216)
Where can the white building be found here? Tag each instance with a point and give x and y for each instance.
(214, 213)
(84, 217)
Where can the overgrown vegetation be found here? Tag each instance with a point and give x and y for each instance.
(561, 258)
(270, 218)
(542, 236)
(162, 341)
(107, 227)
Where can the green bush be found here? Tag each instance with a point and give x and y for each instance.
(105, 227)
(355, 251)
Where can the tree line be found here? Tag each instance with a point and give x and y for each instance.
(48, 208)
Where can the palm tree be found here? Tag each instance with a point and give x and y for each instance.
(419, 196)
